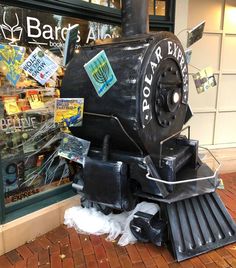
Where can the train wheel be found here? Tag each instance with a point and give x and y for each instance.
(85, 203)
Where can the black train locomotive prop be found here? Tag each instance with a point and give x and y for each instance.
(137, 152)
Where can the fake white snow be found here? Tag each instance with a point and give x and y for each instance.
(91, 221)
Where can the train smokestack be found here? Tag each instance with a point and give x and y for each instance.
(135, 17)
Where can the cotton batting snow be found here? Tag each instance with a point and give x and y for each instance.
(91, 221)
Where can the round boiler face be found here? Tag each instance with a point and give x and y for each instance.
(163, 92)
(168, 92)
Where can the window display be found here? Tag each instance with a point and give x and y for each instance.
(115, 4)
(160, 8)
(31, 52)
(156, 7)
(151, 7)
(100, 2)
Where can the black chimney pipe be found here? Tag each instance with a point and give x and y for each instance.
(135, 17)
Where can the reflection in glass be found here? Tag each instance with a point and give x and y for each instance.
(151, 7)
(160, 8)
(100, 2)
(115, 4)
(156, 7)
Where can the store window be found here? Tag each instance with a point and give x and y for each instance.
(100, 2)
(156, 7)
(160, 8)
(115, 4)
(108, 3)
(151, 7)
(29, 138)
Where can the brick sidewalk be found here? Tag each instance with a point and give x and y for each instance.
(64, 248)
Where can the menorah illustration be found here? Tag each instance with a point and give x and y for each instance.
(101, 73)
(8, 31)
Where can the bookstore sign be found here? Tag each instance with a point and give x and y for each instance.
(18, 26)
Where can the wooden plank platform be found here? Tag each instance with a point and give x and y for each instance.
(64, 248)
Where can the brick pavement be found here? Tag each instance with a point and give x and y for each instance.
(64, 248)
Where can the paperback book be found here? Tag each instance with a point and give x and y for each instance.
(40, 66)
(35, 99)
(69, 111)
(10, 105)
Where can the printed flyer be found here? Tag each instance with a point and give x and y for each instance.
(100, 73)
(195, 34)
(73, 148)
(204, 80)
(69, 111)
(40, 66)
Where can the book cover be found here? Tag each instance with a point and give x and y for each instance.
(69, 111)
(195, 34)
(71, 38)
(73, 148)
(12, 58)
(10, 105)
(204, 79)
(35, 99)
(40, 66)
(100, 73)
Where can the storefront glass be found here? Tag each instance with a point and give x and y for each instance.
(160, 8)
(151, 7)
(100, 2)
(115, 4)
(28, 136)
(156, 7)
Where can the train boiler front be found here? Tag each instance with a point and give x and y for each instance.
(137, 151)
